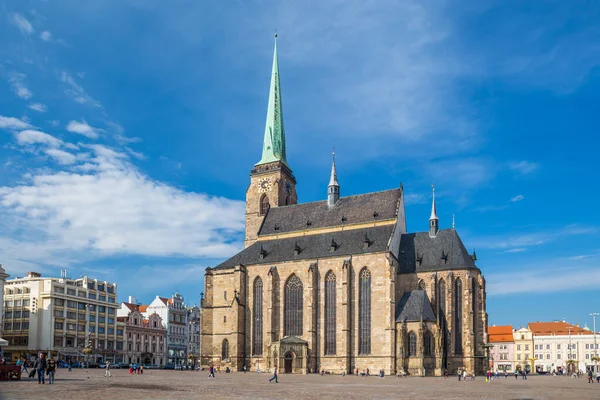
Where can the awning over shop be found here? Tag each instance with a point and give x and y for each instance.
(70, 353)
(3, 342)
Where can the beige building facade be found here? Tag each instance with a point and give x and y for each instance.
(339, 285)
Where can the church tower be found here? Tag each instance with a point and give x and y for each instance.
(272, 183)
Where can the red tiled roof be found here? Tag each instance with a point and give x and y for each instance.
(500, 334)
(164, 300)
(556, 328)
(131, 306)
(143, 308)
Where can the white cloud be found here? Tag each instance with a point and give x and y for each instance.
(13, 123)
(517, 198)
(76, 91)
(62, 157)
(530, 239)
(524, 167)
(18, 87)
(54, 122)
(22, 23)
(39, 107)
(136, 154)
(46, 36)
(516, 250)
(549, 279)
(109, 207)
(82, 128)
(414, 198)
(31, 136)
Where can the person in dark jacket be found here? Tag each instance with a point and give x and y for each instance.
(40, 365)
(51, 370)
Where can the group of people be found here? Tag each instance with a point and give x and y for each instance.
(590, 376)
(42, 367)
(136, 368)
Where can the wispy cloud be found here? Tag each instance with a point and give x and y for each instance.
(517, 198)
(31, 136)
(529, 239)
(12, 123)
(62, 157)
(82, 128)
(39, 107)
(46, 36)
(18, 86)
(545, 279)
(22, 23)
(524, 167)
(76, 91)
(516, 250)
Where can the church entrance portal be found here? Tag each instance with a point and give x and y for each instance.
(288, 362)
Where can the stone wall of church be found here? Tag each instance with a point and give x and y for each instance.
(474, 316)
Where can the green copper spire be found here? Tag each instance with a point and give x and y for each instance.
(274, 143)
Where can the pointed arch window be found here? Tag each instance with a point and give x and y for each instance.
(264, 204)
(288, 200)
(225, 350)
(330, 314)
(293, 307)
(364, 312)
(458, 310)
(411, 344)
(474, 308)
(427, 344)
(442, 296)
(257, 321)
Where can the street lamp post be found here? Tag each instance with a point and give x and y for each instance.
(595, 345)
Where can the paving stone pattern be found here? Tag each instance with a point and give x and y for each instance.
(155, 384)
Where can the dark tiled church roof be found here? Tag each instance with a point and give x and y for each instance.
(362, 208)
(421, 253)
(344, 243)
(412, 305)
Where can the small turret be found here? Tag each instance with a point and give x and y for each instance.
(333, 190)
(433, 219)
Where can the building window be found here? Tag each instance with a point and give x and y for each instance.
(264, 204)
(257, 336)
(458, 316)
(225, 350)
(518, 347)
(364, 312)
(330, 308)
(224, 318)
(547, 356)
(526, 347)
(427, 339)
(293, 307)
(412, 344)
(443, 297)
(547, 347)
(558, 347)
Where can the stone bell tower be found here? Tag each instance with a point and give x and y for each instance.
(272, 183)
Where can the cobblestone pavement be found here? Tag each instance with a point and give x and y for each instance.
(155, 384)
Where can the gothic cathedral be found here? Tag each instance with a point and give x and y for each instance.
(339, 285)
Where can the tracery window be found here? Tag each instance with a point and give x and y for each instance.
(257, 336)
(442, 297)
(427, 344)
(458, 309)
(412, 344)
(264, 204)
(330, 310)
(474, 304)
(225, 350)
(293, 307)
(364, 312)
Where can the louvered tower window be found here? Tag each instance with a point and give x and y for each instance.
(330, 309)
(257, 327)
(364, 312)
(264, 204)
(293, 307)
(458, 310)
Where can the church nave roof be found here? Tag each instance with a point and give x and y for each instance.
(362, 208)
(336, 244)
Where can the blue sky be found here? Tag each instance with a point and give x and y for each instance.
(129, 128)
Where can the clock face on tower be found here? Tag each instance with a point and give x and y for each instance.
(264, 185)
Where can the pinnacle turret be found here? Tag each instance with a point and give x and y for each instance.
(433, 219)
(333, 190)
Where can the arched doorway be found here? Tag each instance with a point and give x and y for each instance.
(288, 362)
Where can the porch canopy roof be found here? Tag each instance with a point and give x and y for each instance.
(3, 342)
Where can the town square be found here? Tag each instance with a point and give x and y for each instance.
(423, 225)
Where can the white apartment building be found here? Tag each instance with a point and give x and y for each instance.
(3, 276)
(193, 333)
(61, 316)
(557, 342)
(173, 313)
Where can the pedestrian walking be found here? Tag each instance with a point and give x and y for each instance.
(505, 374)
(211, 372)
(446, 373)
(70, 364)
(107, 372)
(274, 375)
(488, 377)
(459, 373)
(464, 375)
(40, 366)
(51, 370)
(245, 368)
(516, 374)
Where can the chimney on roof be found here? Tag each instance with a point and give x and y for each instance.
(131, 300)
